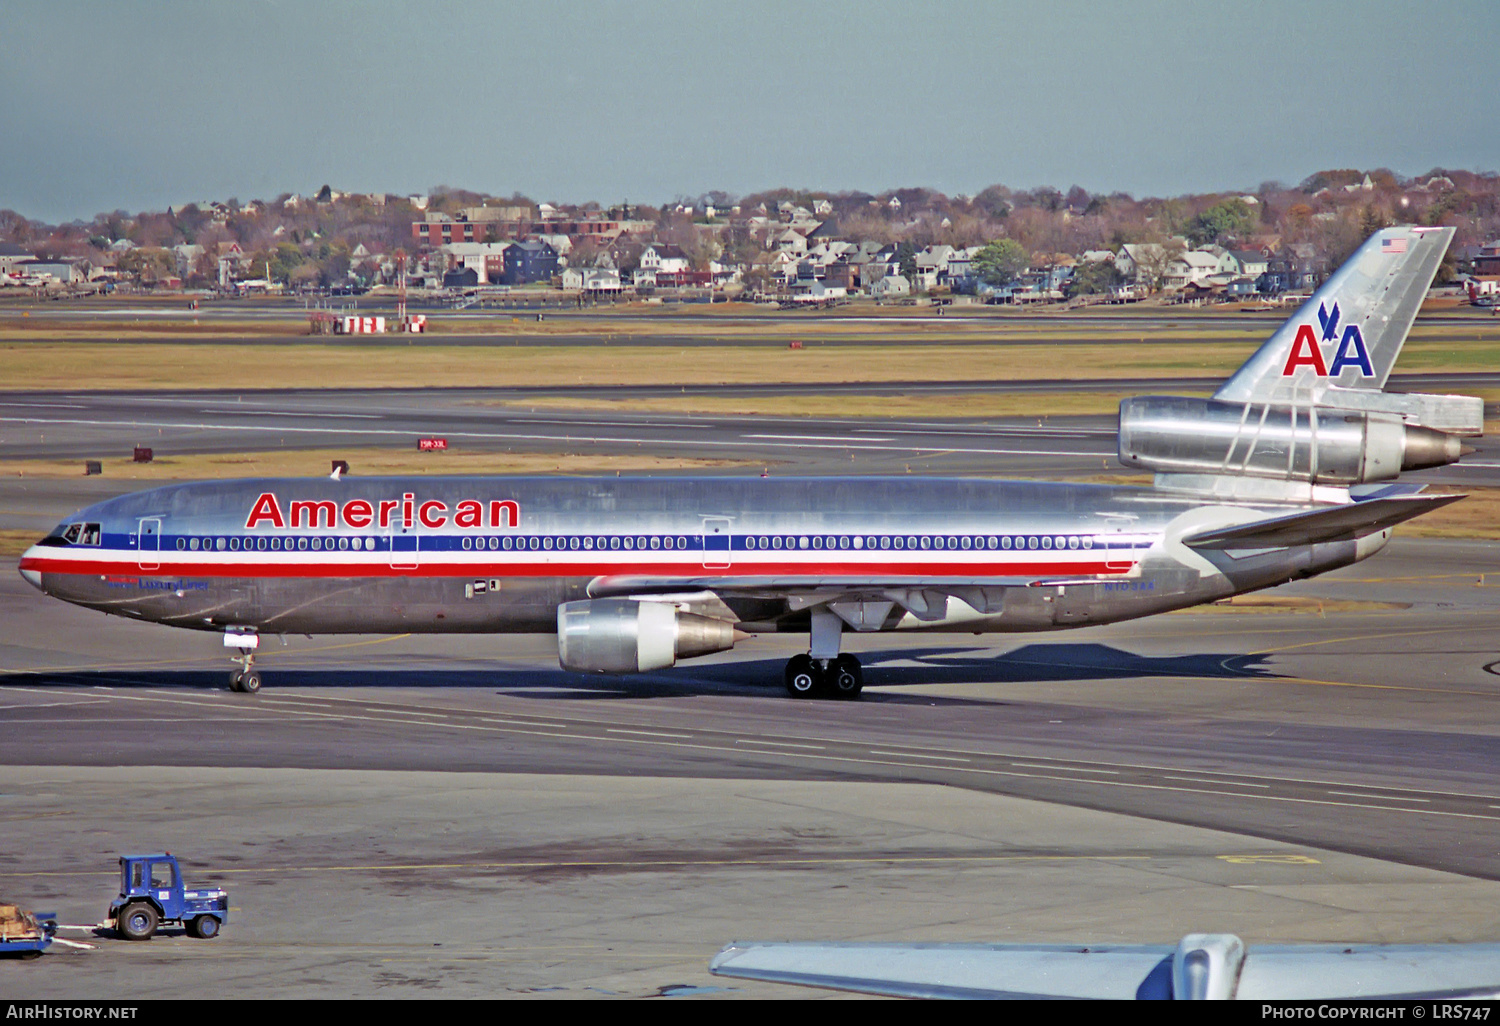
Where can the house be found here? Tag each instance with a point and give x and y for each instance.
(485, 259)
(932, 267)
(663, 256)
(12, 254)
(816, 291)
(1194, 267)
(591, 279)
(527, 262)
(187, 257)
(891, 286)
(961, 274)
(791, 241)
(460, 278)
(1487, 260)
(1245, 263)
(841, 274)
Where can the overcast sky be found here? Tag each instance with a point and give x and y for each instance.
(138, 106)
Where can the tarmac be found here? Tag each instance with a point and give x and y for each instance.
(456, 816)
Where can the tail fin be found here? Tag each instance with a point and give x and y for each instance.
(1348, 335)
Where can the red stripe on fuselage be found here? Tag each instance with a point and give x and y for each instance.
(571, 568)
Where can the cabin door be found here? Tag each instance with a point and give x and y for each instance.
(716, 552)
(148, 547)
(405, 553)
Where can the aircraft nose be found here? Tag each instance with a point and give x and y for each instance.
(33, 577)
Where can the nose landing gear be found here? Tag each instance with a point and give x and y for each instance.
(244, 679)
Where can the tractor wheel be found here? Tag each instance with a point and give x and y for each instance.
(205, 927)
(137, 921)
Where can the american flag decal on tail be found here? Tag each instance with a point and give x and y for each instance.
(1397, 245)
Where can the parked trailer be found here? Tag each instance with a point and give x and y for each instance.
(26, 934)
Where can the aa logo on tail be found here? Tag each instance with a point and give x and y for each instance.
(1307, 348)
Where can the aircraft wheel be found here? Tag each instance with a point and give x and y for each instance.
(250, 683)
(846, 678)
(802, 677)
(234, 680)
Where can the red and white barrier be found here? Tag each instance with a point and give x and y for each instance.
(362, 326)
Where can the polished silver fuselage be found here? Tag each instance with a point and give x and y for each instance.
(499, 554)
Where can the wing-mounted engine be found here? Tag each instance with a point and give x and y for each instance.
(629, 636)
(1314, 445)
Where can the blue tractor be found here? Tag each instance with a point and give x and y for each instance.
(152, 895)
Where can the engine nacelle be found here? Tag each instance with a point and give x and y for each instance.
(627, 636)
(1172, 435)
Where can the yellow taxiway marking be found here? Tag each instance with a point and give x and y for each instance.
(1358, 637)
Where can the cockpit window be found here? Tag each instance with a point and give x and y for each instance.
(74, 534)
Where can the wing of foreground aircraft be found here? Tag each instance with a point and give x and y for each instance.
(1202, 966)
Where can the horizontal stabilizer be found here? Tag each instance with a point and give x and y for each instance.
(1336, 523)
(1201, 966)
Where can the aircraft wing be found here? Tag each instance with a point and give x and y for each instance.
(1200, 966)
(1336, 523)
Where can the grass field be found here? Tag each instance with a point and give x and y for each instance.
(84, 366)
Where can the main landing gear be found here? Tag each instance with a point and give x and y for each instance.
(840, 677)
(824, 672)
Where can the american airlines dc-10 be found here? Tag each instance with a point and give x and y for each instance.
(1288, 471)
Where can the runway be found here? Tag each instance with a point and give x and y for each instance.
(93, 425)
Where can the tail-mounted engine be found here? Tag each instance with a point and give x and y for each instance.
(1171, 435)
(627, 636)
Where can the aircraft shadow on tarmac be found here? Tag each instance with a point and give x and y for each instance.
(885, 671)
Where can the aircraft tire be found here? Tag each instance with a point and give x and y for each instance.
(234, 680)
(846, 679)
(250, 683)
(802, 677)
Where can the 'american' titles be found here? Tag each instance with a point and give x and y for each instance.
(405, 512)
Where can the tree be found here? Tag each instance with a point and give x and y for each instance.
(147, 264)
(906, 256)
(1155, 262)
(1231, 218)
(1000, 261)
(284, 261)
(1093, 277)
